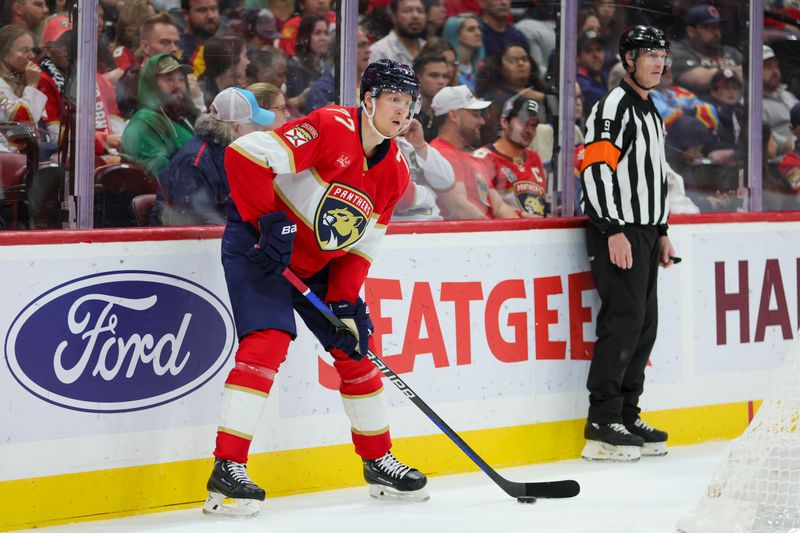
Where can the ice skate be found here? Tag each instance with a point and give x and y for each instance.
(655, 441)
(229, 480)
(390, 479)
(611, 442)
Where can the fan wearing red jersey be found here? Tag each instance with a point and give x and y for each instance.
(315, 195)
(517, 171)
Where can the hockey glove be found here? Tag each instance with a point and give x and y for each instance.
(355, 315)
(273, 252)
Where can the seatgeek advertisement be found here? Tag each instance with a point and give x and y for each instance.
(125, 346)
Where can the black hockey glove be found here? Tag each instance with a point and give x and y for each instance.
(355, 341)
(274, 249)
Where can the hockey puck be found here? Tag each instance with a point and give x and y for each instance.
(526, 499)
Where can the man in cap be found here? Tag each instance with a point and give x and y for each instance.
(696, 59)
(165, 121)
(590, 76)
(260, 28)
(777, 102)
(193, 187)
(459, 117)
(54, 64)
(726, 96)
(517, 171)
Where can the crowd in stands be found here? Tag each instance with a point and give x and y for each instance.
(484, 141)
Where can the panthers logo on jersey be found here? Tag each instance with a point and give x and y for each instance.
(530, 197)
(342, 217)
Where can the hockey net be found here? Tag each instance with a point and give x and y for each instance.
(756, 489)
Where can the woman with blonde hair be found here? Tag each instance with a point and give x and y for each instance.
(464, 33)
(272, 98)
(20, 100)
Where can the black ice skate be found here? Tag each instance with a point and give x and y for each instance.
(230, 480)
(655, 441)
(610, 442)
(388, 478)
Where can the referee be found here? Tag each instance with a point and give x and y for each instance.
(625, 196)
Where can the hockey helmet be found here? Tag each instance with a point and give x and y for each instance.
(386, 74)
(642, 37)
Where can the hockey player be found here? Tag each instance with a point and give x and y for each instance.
(518, 174)
(315, 195)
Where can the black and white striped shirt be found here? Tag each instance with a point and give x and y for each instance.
(624, 171)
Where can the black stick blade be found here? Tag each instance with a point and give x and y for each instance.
(566, 488)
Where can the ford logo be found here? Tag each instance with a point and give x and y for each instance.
(119, 341)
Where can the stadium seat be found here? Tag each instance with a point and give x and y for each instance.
(115, 188)
(142, 206)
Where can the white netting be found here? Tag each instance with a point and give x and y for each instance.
(757, 487)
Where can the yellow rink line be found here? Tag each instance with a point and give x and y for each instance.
(128, 491)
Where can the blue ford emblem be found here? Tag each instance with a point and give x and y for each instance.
(119, 341)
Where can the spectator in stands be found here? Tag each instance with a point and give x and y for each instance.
(27, 14)
(433, 77)
(498, 34)
(290, 30)
(687, 139)
(226, 66)
(260, 28)
(20, 100)
(268, 65)
(516, 171)
(282, 10)
(405, 41)
(311, 59)
(777, 103)
(201, 22)
(128, 34)
(697, 59)
(790, 163)
(270, 97)
(503, 76)
(672, 101)
(323, 91)
(431, 177)
(464, 33)
(439, 47)
(611, 23)
(157, 35)
(193, 188)
(435, 16)
(459, 121)
(541, 35)
(726, 96)
(591, 58)
(166, 120)
(54, 64)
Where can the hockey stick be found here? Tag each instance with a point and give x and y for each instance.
(524, 492)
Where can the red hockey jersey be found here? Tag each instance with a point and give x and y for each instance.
(522, 183)
(315, 170)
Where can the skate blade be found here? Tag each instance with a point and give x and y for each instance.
(602, 451)
(382, 492)
(241, 508)
(654, 449)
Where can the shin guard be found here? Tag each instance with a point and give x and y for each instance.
(258, 358)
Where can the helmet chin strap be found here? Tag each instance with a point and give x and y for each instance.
(370, 117)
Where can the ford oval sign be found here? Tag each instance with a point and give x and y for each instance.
(119, 341)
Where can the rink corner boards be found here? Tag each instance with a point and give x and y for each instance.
(118, 492)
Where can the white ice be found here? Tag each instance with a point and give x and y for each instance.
(645, 497)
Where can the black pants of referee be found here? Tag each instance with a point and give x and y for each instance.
(626, 324)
